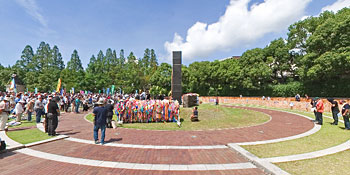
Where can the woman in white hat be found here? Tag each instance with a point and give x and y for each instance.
(19, 110)
(4, 112)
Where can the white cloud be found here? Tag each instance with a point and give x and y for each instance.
(33, 10)
(237, 26)
(338, 5)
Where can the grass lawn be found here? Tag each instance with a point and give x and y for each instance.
(328, 136)
(210, 116)
(90, 117)
(335, 164)
(25, 123)
(27, 136)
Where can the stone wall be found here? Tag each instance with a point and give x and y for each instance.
(278, 102)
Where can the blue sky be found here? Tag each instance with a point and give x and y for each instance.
(134, 25)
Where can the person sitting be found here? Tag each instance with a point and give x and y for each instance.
(194, 116)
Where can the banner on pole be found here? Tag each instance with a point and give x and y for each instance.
(113, 89)
(58, 85)
(13, 85)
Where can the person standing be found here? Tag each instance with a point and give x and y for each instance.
(52, 117)
(77, 104)
(30, 109)
(39, 107)
(19, 110)
(109, 107)
(346, 112)
(4, 112)
(100, 114)
(313, 109)
(319, 110)
(335, 110)
(72, 102)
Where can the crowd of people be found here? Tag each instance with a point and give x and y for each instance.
(47, 107)
(128, 108)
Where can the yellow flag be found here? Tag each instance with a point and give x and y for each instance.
(58, 85)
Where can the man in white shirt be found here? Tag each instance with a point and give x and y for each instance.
(4, 112)
(19, 110)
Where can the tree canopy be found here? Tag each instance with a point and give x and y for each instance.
(313, 59)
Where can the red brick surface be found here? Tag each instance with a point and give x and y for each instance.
(75, 126)
(137, 155)
(12, 163)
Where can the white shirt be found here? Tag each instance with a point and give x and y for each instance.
(19, 108)
(4, 106)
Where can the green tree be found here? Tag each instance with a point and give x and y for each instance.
(73, 75)
(280, 60)
(255, 72)
(162, 77)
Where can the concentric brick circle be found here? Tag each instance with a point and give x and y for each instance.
(150, 152)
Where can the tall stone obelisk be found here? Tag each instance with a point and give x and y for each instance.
(176, 77)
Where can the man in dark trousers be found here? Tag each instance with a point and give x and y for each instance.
(319, 110)
(109, 108)
(313, 104)
(52, 117)
(346, 113)
(335, 110)
(100, 114)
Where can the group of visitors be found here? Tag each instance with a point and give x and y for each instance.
(336, 113)
(22, 106)
(318, 109)
(128, 109)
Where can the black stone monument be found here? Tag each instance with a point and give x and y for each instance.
(176, 78)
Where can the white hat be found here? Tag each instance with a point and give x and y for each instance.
(21, 101)
(7, 98)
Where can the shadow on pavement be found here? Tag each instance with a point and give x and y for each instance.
(114, 140)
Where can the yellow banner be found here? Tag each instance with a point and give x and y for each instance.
(58, 85)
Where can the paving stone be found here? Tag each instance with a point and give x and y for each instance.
(177, 153)
(160, 167)
(75, 126)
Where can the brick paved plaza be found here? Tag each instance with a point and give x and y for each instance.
(132, 151)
